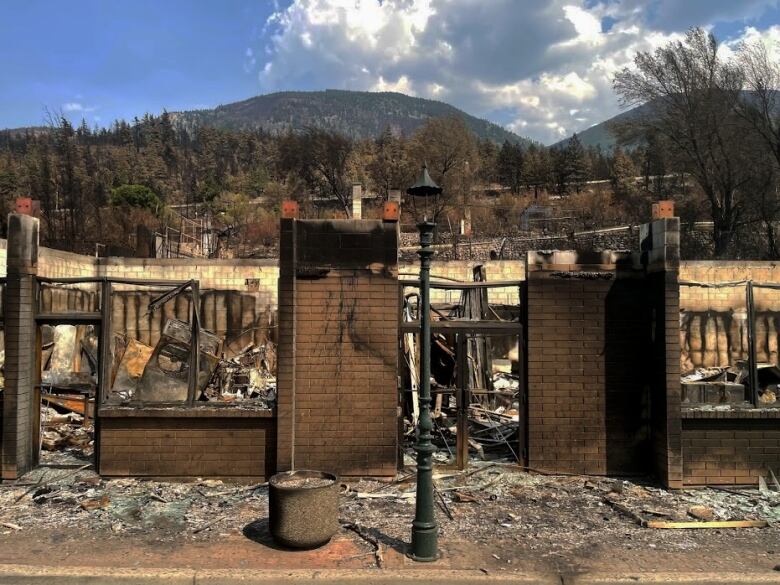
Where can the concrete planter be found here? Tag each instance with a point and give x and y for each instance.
(303, 508)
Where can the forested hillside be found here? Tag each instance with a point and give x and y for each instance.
(359, 115)
(79, 174)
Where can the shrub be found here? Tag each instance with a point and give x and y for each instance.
(135, 196)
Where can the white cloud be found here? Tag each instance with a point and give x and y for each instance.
(769, 37)
(546, 65)
(587, 25)
(401, 85)
(77, 107)
(249, 60)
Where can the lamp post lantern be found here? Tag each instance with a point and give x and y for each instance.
(425, 532)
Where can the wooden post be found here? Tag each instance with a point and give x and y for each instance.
(194, 374)
(462, 401)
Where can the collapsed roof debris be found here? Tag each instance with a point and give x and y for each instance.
(248, 375)
(729, 386)
(66, 431)
(489, 378)
(142, 373)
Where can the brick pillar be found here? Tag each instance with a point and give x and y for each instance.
(587, 359)
(660, 246)
(285, 406)
(18, 453)
(338, 347)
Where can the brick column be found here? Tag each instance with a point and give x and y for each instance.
(660, 246)
(285, 405)
(338, 347)
(588, 343)
(18, 452)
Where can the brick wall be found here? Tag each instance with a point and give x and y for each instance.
(588, 385)
(237, 444)
(728, 448)
(60, 264)
(257, 278)
(238, 298)
(338, 347)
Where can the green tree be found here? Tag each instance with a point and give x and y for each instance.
(537, 168)
(450, 150)
(575, 160)
(135, 196)
(623, 174)
(321, 158)
(390, 166)
(509, 165)
(8, 183)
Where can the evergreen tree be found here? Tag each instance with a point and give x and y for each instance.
(623, 174)
(510, 166)
(575, 161)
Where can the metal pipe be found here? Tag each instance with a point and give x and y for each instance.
(751, 335)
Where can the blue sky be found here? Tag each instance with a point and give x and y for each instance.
(119, 59)
(542, 68)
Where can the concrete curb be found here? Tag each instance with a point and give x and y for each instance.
(35, 575)
(765, 578)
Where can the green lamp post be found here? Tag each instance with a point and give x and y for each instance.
(425, 532)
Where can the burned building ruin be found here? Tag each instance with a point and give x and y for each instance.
(603, 363)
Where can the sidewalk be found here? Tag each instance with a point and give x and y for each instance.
(246, 557)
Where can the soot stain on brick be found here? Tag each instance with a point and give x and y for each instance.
(357, 340)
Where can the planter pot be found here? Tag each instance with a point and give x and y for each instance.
(303, 508)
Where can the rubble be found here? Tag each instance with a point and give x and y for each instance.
(130, 359)
(141, 372)
(495, 504)
(553, 513)
(166, 374)
(246, 376)
(493, 389)
(66, 431)
(78, 499)
(729, 386)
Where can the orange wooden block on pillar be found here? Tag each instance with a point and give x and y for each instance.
(24, 205)
(663, 209)
(290, 209)
(391, 212)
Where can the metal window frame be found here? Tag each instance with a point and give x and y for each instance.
(102, 319)
(464, 329)
(750, 307)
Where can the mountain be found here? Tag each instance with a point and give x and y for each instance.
(358, 114)
(601, 134)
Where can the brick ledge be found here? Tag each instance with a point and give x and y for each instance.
(176, 412)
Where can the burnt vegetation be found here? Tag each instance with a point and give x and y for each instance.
(704, 132)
